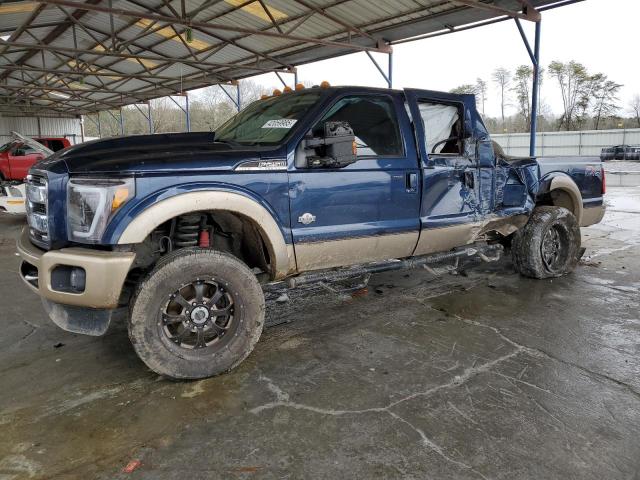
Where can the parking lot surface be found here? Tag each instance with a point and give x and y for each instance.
(483, 374)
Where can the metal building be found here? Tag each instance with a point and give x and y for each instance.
(586, 142)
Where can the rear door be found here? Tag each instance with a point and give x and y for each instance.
(452, 176)
(368, 210)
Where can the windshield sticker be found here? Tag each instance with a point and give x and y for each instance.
(281, 123)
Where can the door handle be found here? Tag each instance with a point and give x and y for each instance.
(412, 182)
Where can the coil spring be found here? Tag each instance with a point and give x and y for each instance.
(187, 230)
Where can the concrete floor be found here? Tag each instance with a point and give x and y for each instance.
(485, 375)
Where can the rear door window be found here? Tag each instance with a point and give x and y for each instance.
(442, 127)
(56, 145)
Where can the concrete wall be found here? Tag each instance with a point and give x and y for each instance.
(40, 126)
(589, 142)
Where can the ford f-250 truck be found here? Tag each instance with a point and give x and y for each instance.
(182, 233)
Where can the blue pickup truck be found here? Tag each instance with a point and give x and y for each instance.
(182, 233)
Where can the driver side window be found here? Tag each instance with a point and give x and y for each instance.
(20, 150)
(373, 120)
(442, 127)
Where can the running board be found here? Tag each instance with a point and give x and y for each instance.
(487, 253)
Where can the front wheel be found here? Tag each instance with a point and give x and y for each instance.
(548, 245)
(199, 313)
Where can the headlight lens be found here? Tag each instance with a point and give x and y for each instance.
(91, 203)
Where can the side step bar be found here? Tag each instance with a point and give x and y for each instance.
(487, 253)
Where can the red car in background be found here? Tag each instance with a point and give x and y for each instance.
(19, 155)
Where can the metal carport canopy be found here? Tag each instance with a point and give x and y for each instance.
(66, 57)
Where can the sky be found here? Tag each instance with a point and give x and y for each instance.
(601, 34)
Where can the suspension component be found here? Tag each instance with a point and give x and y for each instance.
(187, 231)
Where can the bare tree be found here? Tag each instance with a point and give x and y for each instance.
(502, 78)
(481, 89)
(634, 107)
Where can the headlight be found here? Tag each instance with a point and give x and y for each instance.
(91, 203)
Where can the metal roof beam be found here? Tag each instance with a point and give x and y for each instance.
(85, 73)
(52, 35)
(529, 14)
(157, 58)
(191, 23)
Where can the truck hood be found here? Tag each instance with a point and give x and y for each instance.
(174, 152)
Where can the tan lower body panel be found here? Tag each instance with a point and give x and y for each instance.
(105, 273)
(434, 240)
(592, 215)
(338, 253)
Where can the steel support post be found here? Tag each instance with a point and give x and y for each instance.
(150, 117)
(535, 60)
(236, 100)
(186, 111)
(536, 92)
(386, 76)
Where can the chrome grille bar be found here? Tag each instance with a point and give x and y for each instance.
(37, 211)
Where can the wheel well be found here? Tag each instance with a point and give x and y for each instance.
(221, 230)
(558, 198)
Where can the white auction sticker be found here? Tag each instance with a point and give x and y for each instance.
(281, 123)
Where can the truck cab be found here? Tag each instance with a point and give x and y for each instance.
(180, 233)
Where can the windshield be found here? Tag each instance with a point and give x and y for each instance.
(267, 121)
(6, 147)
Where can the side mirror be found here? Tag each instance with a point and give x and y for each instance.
(336, 149)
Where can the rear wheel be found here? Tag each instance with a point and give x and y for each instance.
(548, 245)
(198, 314)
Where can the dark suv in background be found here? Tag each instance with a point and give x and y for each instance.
(620, 152)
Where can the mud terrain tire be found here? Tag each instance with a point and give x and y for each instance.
(548, 245)
(199, 313)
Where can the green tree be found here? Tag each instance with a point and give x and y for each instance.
(605, 98)
(523, 79)
(464, 89)
(576, 86)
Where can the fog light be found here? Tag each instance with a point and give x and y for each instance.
(68, 279)
(78, 279)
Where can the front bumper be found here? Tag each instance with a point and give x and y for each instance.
(104, 273)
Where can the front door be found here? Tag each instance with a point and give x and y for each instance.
(451, 196)
(368, 210)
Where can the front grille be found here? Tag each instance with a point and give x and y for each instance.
(39, 208)
(37, 212)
